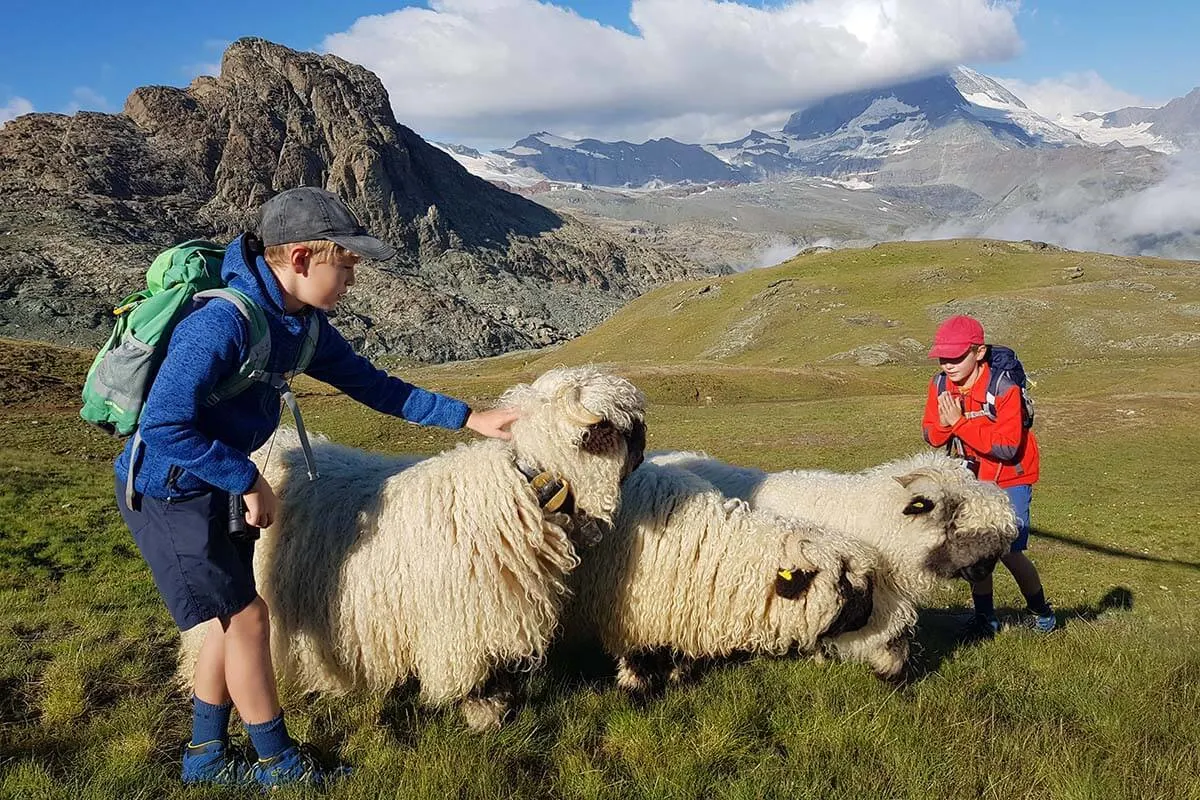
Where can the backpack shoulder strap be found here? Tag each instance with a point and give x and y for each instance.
(255, 365)
(254, 370)
(309, 347)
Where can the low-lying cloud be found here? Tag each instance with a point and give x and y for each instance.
(1073, 94)
(1161, 220)
(480, 71)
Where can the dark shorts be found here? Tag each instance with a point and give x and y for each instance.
(1021, 496)
(200, 572)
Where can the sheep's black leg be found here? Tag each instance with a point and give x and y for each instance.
(645, 672)
(489, 705)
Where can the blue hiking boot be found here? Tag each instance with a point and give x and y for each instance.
(1044, 621)
(296, 765)
(214, 762)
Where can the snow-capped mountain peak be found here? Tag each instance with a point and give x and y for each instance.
(984, 91)
(852, 134)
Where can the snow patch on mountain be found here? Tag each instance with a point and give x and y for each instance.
(991, 102)
(1091, 128)
(492, 166)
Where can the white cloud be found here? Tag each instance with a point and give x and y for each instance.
(1072, 94)
(695, 69)
(87, 99)
(14, 108)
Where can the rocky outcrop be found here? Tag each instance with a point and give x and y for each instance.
(86, 200)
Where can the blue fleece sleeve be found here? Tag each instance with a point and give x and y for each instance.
(338, 365)
(206, 346)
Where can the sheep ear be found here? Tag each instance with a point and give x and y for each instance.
(791, 583)
(919, 505)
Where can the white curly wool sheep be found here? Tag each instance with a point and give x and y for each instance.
(687, 574)
(927, 512)
(447, 569)
(928, 515)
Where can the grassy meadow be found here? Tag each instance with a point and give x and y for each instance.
(818, 362)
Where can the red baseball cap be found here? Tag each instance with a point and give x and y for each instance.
(955, 336)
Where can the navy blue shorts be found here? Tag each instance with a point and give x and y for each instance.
(200, 572)
(1021, 496)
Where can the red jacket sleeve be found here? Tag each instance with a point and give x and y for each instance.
(935, 433)
(1000, 440)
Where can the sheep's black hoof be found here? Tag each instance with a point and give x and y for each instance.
(900, 679)
(482, 714)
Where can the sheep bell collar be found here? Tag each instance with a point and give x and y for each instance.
(554, 493)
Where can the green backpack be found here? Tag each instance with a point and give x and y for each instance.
(178, 280)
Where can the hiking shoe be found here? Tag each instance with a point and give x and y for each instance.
(981, 626)
(1044, 623)
(296, 765)
(214, 762)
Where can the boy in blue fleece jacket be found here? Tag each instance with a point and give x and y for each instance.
(193, 456)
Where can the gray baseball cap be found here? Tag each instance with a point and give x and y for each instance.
(308, 213)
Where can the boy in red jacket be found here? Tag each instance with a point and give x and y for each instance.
(990, 435)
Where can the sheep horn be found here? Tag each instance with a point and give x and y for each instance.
(575, 410)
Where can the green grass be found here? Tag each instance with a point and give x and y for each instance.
(1107, 707)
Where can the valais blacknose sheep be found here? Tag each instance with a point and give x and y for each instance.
(688, 574)
(451, 569)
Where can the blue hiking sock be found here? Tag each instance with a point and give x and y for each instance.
(1036, 602)
(269, 738)
(985, 605)
(209, 723)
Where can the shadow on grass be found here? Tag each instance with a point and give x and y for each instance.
(577, 667)
(942, 632)
(1111, 551)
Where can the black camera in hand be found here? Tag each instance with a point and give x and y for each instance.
(239, 529)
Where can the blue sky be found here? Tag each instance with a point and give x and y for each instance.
(1070, 55)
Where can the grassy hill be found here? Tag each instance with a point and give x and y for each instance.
(816, 362)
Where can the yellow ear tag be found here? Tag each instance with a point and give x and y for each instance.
(786, 574)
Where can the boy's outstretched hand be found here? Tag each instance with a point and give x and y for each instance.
(493, 423)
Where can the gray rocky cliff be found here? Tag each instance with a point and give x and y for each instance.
(86, 201)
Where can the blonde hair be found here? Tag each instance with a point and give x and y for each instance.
(277, 254)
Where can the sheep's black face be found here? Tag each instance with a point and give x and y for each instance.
(603, 437)
(858, 603)
(635, 448)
